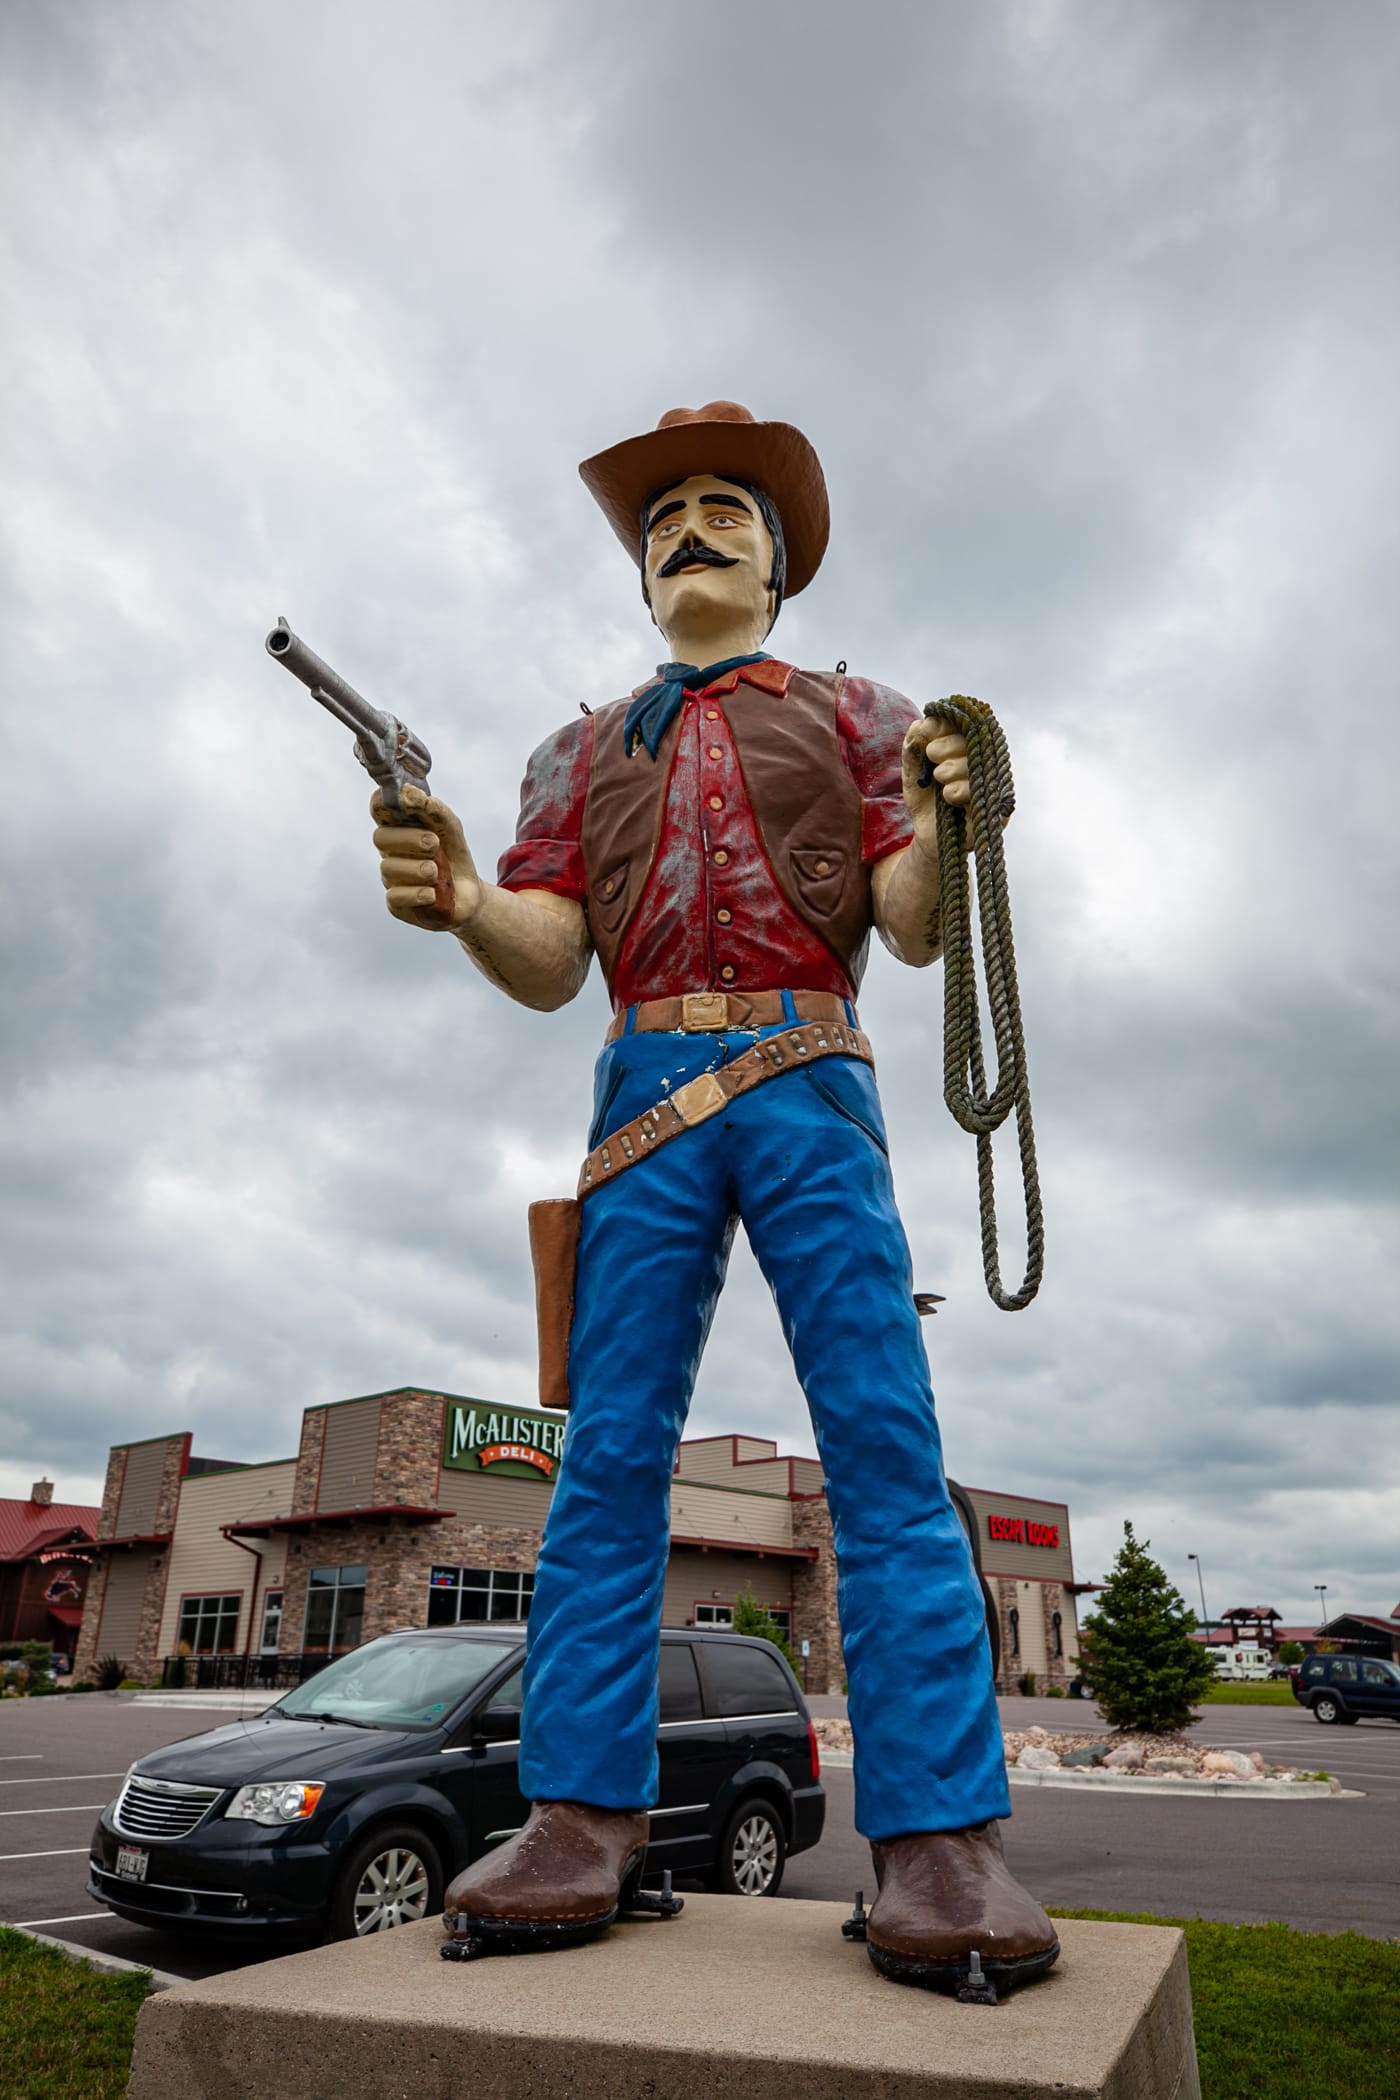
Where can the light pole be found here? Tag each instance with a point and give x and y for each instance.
(1321, 1589)
(1205, 1616)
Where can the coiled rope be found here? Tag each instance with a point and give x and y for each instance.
(992, 799)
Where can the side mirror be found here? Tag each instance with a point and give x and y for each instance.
(496, 1724)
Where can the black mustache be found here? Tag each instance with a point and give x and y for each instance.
(685, 557)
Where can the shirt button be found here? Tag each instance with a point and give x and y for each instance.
(727, 972)
(721, 858)
(724, 917)
(715, 751)
(823, 867)
(712, 714)
(716, 802)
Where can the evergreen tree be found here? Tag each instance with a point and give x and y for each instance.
(1145, 1671)
(752, 1618)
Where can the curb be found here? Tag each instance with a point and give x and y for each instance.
(235, 1702)
(1189, 1789)
(108, 1964)
(1184, 1789)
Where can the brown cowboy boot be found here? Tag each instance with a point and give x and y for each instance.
(558, 1881)
(950, 1916)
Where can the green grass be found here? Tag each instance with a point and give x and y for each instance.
(1257, 1694)
(1287, 2015)
(65, 2030)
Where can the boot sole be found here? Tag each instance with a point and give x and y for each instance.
(472, 1937)
(951, 1976)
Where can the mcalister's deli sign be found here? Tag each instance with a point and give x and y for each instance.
(481, 1439)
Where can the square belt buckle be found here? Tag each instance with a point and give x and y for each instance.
(702, 1098)
(704, 1012)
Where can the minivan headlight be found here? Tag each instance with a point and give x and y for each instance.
(276, 1801)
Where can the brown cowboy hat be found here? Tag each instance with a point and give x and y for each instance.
(722, 439)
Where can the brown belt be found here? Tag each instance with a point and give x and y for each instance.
(712, 1091)
(712, 1013)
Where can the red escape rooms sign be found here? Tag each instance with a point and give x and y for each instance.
(1019, 1531)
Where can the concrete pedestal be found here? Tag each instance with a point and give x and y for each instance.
(733, 2000)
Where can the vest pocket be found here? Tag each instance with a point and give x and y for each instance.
(607, 899)
(819, 878)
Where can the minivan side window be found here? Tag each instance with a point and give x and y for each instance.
(680, 1686)
(746, 1681)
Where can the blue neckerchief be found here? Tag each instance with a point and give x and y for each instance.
(653, 711)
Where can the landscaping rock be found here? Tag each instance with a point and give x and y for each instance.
(1088, 1754)
(1126, 1758)
(1233, 1763)
(1036, 1759)
(1036, 1734)
(1170, 1767)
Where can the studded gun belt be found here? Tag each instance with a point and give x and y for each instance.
(704, 1097)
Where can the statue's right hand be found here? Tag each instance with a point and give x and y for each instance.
(408, 864)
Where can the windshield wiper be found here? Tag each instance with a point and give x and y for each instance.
(340, 1720)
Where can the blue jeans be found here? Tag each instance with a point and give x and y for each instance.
(802, 1161)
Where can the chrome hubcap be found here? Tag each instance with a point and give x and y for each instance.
(393, 1890)
(754, 1858)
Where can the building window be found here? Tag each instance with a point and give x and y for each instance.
(335, 1609)
(1057, 1623)
(457, 1594)
(272, 1622)
(209, 1625)
(1013, 1619)
(723, 1615)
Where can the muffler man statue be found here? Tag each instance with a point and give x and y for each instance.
(724, 840)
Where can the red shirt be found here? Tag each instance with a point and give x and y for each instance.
(712, 917)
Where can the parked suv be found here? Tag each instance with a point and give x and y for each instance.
(348, 1806)
(1344, 1687)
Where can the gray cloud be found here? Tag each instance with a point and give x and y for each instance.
(1087, 311)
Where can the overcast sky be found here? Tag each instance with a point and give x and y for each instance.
(1091, 312)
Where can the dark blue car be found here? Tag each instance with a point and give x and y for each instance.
(348, 1806)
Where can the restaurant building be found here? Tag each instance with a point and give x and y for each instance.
(412, 1507)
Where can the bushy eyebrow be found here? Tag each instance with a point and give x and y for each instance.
(666, 510)
(729, 502)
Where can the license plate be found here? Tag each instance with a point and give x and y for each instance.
(132, 1862)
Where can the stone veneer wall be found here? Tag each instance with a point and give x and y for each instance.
(410, 1448)
(308, 1473)
(814, 1614)
(397, 1556)
(145, 1661)
(1053, 1598)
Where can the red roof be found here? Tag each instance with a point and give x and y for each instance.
(26, 1526)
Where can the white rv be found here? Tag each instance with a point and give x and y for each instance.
(1238, 1664)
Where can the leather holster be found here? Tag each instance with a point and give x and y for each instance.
(554, 1230)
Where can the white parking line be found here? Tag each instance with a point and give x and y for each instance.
(62, 1779)
(64, 1852)
(22, 1757)
(78, 1917)
(74, 1808)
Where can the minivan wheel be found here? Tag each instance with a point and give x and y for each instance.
(752, 1852)
(392, 1877)
(1326, 1708)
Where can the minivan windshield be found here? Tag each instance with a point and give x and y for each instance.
(398, 1682)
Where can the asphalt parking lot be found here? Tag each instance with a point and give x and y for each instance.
(1327, 1866)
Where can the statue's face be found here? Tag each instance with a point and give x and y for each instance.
(708, 555)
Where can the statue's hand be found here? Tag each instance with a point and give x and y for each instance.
(407, 864)
(946, 749)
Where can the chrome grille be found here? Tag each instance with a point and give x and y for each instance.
(162, 1808)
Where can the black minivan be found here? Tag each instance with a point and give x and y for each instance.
(348, 1806)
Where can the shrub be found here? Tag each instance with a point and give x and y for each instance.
(1290, 1651)
(753, 1618)
(84, 1684)
(109, 1673)
(1146, 1669)
(1054, 1691)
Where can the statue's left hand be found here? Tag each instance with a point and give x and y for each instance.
(946, 748)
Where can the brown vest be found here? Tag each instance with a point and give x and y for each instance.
(807, 807)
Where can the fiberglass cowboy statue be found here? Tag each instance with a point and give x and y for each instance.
(724, 840)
